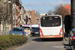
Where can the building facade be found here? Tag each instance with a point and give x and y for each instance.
(33, 17)
(15, 12)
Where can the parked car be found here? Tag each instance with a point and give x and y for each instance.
(72, 38)
(17, 30)
(35, 31)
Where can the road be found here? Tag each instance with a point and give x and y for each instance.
(35, 43)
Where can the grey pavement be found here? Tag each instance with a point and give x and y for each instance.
(35, 43)
(42, 46)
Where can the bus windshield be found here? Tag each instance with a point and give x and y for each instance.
(50, 21)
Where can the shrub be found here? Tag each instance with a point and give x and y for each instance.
(11, 40)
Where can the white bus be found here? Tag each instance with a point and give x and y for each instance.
(51, 26)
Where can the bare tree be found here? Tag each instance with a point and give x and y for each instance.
(50, 12)
(0, 14)
(1, 10)
(4, 13)
(61, 11)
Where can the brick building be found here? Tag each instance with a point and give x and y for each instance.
(15, 12)
(68, 7)
(33, 17)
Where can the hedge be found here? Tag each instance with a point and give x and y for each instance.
(11, 40)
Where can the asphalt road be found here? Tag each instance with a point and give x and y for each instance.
(35, 43)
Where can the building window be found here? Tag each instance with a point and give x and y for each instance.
(19, 17)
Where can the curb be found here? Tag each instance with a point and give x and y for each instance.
(13, 47)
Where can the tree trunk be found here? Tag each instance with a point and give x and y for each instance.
(4, 23)
(0, 28)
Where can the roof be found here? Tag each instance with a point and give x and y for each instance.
(68, 7)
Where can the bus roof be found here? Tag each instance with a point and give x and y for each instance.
(49, 15)
(43, 14)
(52, 15)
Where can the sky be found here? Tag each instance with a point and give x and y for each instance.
(42, 6)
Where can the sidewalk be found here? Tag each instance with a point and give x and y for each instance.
(66, 42)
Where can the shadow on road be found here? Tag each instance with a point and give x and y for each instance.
(47, 39)
(37, 39)
(67, 47)
(35, 36)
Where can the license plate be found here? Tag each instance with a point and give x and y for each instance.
(36, 32)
